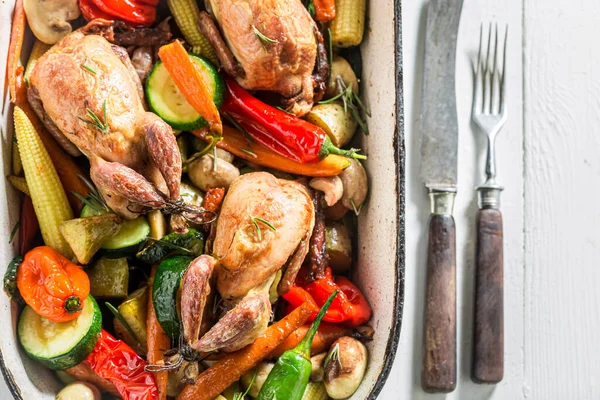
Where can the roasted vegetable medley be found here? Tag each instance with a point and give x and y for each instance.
(190, 197)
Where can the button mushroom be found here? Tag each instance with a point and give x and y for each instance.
(345, 367)
(331, 186)
(204, 176)
(79, 391)
(354, 179)
(49, 19)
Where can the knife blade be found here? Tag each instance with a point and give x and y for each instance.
(439, 154)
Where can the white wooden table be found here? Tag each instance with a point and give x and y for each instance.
(549, 162)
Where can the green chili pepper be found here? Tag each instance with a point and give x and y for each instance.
(289, 377)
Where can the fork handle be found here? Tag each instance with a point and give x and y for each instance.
(488, 350)
(439, 339)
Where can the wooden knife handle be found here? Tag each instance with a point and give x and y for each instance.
(439, 339)
(488, 350)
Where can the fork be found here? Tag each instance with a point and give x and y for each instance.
(489, 114)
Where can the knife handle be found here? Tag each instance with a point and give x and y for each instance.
(439, 340)
(488, 347)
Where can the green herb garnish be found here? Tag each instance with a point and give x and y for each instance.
(242, 396)
(239, 128)
(118, 316)
(356, 209)
(88, 69)
(14, 231)
(351, 102)
(334, 355)
(249, 152)
(263, 39)
(95, 121)
(256, 220)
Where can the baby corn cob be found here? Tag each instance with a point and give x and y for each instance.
(19, 183)
(47, 194)
(38, 50)
(17, 166)
(186, 14)
(315, 391)
(349, 23)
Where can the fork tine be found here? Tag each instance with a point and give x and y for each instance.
(503, 80)
(477, 87)
(495, 86)
(487, 77)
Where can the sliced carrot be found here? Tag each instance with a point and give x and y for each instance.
(326, 335)
(68, 171)
(230, 368)
(14, 48)
(324, 10)
(234, 142)
(189, 81)
(158, 342)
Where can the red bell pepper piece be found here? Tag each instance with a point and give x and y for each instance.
(116, 362)
(285, 134)
(349, 307)
(132, 11)
(90, 11)
(28, 226)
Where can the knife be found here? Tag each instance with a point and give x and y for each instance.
(439, 148)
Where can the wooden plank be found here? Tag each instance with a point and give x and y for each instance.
(562, 176)
(404, 380)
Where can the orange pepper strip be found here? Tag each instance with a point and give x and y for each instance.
(230, 368)
(14, 49)
(52, 285)
(327, 333)
(68, 171)
(191, 84)
(324, 10)
(234, 142)
(158, 342)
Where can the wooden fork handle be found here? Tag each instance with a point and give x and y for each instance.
(488, 350)
(439, 339)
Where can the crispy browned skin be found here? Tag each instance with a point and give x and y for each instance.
(283, 64)
(136, 144)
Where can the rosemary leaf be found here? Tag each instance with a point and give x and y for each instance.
(118, 315)
(14, 231)
(249, 152)
(267, 223)
(239, 128)
(94, 120)
(242, 396)
(258, 231)
(88, 69)
(262, 37)
(256, 220)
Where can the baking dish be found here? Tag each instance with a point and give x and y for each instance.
(380, 264)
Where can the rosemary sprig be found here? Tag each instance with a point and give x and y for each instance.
(239, 128)
(242, 396)
(118, 316)
(310, 7)
(171, 245)
(284, 110)
(356, 210)
(334, 355)
(249, 152)
(95, 121)
(256, 220)
(263, 39)
(88, 69)
(351, 103)
(93, 196)
(14, 231)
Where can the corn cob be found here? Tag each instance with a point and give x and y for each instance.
(349, 23)
(186, 14)
(19, 183)
(315, 391)
(38, 50)
(47, 194)
(17, 166)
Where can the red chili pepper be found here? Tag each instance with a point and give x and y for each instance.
(349, 307)
(116, 362)
(285, 134)
(128, 10)
(28, 226)
(90, 11)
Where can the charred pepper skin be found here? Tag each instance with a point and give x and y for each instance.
(291, 373)
(285, 134)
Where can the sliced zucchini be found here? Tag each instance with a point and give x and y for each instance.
(109, 278)
(60, 345)
(338, 244)
(167, 101)
(190, 243)
(134, 311)
(86, 235)
(164, 292)
(125, 242)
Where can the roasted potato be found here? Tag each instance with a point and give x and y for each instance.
(86, 235)
(338, 243)
(339, 124)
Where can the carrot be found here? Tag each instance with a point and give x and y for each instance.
(158, 342)
(326, 335)
(14, 48)
(235, 142)
(324, 10)
(68, 171)
(191, 84)
(230, 368)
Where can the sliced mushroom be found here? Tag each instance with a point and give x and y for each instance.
(331, 186)
(354, 179)
(345, 367)
(49, 19)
